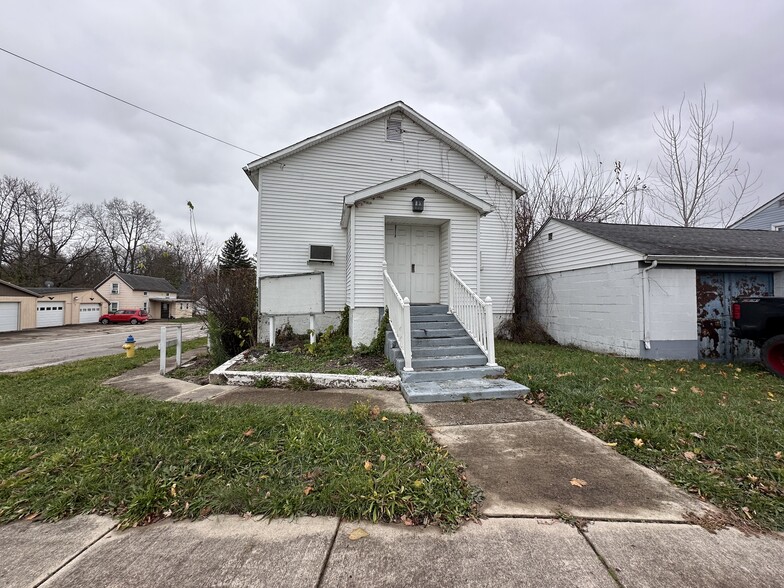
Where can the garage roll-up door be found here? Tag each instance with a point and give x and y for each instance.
(9, 316)
(89, 313)
(50, 314)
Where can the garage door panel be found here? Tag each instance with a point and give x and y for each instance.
(89, 313)
(9, 316)
(50, 314)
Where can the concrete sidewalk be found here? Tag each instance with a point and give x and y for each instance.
(631, 527)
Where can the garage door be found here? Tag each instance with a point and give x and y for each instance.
(9, 316)
(89, 313)
(50, 314)
(715, 293)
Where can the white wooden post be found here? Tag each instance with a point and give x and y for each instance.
(272, 331)
(450, 302)
(312, 329)
(178, 360)
(162, 347)
(490, 332)
(407, 335)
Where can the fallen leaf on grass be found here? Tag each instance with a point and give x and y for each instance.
(249, 432)
(382, 457)
(696, 390)
(358, 533)
(638, 388)
(777, 455)
(375, 411)
(638, 442)
(611, 444)
(673, 390)
(698, 436)
(690, 455)
(745, 510)
(578, 482)
(681, 370)
(368, 466)
(384, 419)
(771, 397)
(703, 366)
(307, 490)
(564, 374)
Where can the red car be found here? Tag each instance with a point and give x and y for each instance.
(125, 316)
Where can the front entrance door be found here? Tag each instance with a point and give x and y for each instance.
(715, 293)
(164, 310)
(412, 254)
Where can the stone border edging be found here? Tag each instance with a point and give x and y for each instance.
(223, 374)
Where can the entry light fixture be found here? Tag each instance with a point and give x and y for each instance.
(417, 204)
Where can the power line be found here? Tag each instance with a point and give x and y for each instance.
(94, 89)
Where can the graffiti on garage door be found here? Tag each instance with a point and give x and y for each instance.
(715, 292)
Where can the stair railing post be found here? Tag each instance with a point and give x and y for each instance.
(407, 335)
(450, 301)
(490, 332)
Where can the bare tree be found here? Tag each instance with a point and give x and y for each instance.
(125, 229)
(586, 191)
(699, 177)
(42, 235)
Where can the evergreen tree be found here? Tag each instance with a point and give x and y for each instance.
(234, 254)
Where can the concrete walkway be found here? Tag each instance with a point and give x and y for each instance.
(627, 523)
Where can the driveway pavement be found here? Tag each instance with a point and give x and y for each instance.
(25, 350)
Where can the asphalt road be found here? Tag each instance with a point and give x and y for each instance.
(25, 350)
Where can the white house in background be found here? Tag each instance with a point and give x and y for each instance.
(649, 291)
(768, 217)
(130, 291)
(388, 186)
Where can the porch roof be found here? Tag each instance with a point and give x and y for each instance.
(417, 177)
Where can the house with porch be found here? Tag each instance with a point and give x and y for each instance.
(396, 213)
(155, 295)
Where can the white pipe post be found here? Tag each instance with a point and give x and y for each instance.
(490, 332)
(312, 326)
(178, 360)
(272, 331)
(162, 346)
(407, 335)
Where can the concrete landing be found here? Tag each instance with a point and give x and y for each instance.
(456, 390)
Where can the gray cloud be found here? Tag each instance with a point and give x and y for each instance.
(505, 79)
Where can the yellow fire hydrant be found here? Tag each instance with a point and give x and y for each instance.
(130, 347)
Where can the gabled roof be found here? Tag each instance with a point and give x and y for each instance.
(50, 291)
(758, 210)
(27, 291)
(136, 282)
(384, 112)
(669, 243)
(417, 177)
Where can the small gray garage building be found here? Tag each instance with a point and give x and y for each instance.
(649, 291)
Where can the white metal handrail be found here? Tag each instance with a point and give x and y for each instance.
(399, 317)
(475, 314)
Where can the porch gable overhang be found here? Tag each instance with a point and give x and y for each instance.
(417, 177)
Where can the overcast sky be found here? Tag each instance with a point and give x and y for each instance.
(505, 78)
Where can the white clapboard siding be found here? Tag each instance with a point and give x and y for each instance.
(571, 249)
(439, 209)
(301, 199)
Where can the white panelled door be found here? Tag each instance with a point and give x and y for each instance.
(9, 316)
(50, 314)
(89, 312)
(412, 254)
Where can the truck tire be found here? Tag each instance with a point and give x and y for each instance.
(772, 355)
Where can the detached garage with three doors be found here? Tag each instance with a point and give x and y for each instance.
(649, 291)
(68, 306)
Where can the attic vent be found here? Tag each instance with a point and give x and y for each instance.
(394, 129)
(321, 253)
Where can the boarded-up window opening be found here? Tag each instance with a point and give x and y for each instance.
(394, 129)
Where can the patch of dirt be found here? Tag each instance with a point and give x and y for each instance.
(196, 370)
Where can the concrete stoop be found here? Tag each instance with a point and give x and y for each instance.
(458, 390)
(448, 365)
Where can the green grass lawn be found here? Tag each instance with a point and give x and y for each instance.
(69, 444)
(714, 429)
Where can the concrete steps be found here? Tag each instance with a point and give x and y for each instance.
(447, 363)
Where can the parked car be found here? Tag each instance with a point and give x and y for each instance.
(125, 316)
(761, 319)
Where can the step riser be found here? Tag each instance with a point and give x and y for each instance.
(451, 374)
(426, 363)
(429, 309)
(441, 342)
(457, 350)
(430, 333)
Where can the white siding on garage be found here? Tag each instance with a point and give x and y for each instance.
(596, 308)
(570, 249)
(370, 218)
(50, 314)
(673, 296)
(9, 316)
(301, 199)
